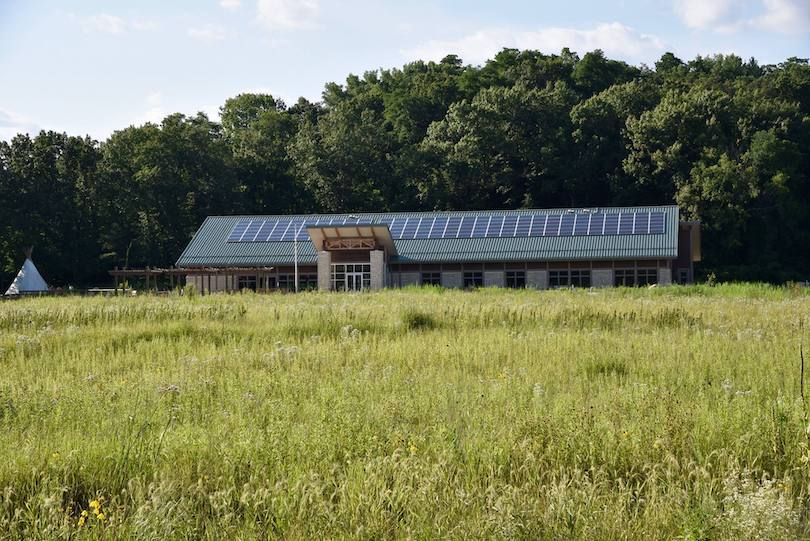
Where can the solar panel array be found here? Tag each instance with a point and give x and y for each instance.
(464, 227)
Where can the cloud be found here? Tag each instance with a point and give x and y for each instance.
(703, 13)
(112, 24)
(787, 16)
(781, 16)
(288, 13)
(12, 123)
(615, 39)
(154, 113)
(208, 32)
(102, 22)
(230, 4)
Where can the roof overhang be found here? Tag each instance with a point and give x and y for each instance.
(323, 236)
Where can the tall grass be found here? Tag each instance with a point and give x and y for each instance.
(644, 414)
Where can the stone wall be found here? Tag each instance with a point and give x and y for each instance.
(537, 279)
(324, 271)
(664, 276)
(494, 279)
(377, 260)
(452, 279)
(602, 278)
(409, 279)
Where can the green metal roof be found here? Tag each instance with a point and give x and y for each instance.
(209, 246)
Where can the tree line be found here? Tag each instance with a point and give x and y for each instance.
(726, 139)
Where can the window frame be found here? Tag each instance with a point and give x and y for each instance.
(473, 279)
(515, 279)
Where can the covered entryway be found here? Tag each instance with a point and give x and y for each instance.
(352, 257)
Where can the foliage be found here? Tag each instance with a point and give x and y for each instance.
(668, 413)
(728, 140)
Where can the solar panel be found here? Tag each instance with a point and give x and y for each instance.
(593, 224)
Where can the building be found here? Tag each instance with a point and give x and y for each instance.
(598, 247)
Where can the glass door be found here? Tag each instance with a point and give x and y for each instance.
(354, 281)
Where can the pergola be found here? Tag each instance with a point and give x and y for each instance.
(174, 273)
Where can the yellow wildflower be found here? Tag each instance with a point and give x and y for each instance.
(95, 504)
(84, 513)
(100, 516)
(81, 520)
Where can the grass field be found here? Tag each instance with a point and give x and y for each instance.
(644, 414)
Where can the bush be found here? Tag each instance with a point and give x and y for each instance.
(415, 320)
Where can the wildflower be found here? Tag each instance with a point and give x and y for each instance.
(95, 505)
(100, 517)
(55, 456)
(84, 513)
(81, 520)
(412, 449)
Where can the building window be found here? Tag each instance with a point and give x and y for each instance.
(351, 276)
(516, 279)
(624, 278)
(247, 282)
(581, 278)
(267, 282)
(431, 278)
(683, 276)
(565, 278)
(645, 277)
(558, 278)
(631, 278)
(473, 279)
(306, 282)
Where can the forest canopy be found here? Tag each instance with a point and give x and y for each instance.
(727, 140)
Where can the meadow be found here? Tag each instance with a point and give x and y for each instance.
(670, 413)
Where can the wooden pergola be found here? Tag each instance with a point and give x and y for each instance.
(151, 275)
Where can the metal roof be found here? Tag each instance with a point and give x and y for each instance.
(209, 246)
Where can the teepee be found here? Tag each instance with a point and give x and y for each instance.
(28, 280)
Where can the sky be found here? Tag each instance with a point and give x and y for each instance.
(95, 66)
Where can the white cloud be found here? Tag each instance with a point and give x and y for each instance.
(789, 16)
(154, 113)
(208, 32)
(112, 24)
(230, 4)
(144, 26)
(704, 13)
(288, 13)
(782, 16)
(615, 39)
(12, 123)
(102, 22)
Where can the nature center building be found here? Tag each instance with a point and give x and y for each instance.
(593, 247)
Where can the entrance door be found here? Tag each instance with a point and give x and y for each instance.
(354, 281)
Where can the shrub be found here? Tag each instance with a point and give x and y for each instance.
(415, 320)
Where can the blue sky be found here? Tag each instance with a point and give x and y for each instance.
(90, 67)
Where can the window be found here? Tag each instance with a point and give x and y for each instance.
(431, 278)
(581, 278)
(247, 282)
(351, 276)
(267, 282)
(286, 282)
(516, 279)
(638, 277)
(558, 278)
(683, 276)
(624, 278)
(645, 277)
(565, 278)
(473, 279)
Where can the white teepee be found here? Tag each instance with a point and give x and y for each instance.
(28, 280)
